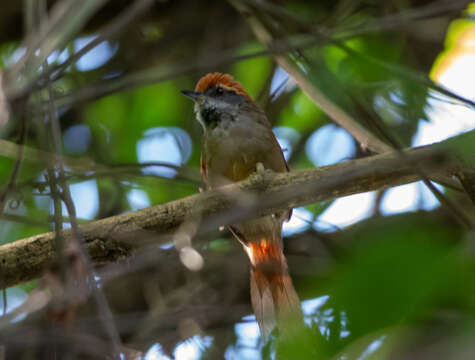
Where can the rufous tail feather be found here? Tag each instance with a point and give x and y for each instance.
(273, 296)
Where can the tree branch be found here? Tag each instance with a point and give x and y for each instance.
(113, 238)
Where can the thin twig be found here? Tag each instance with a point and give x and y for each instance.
(17, 165)
(79, 167)
(361, 134)
(108, 32)
(341, 117)
(65, 19)
(390, 22)
(29, 220)
(456, 211)
(409, 74)
(104, 309)
(10, 186)
(151, 76)
(156, 75)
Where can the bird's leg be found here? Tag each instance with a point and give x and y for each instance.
(263, 177)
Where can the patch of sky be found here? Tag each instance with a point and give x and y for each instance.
(57, 56)
(77, 139)
(192, 348)
(346, 211)
(85, 198)
(84, 195)
(248, 344)
(300, 220)
(286, 137)
(138, 199)
(311, 307)
(97, 56)
(280, 83)
(248, 332)
(328, 145)
(409, 197)
(448, 117)
(170, 145)
(93, 59)
(155, 352)
(15, 298)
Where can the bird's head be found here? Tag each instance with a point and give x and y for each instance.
(217, 96)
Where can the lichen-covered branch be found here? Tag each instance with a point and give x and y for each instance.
(115, 237)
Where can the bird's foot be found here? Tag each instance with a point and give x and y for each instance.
(262, 176)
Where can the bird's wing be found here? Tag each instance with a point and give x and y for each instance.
(203, 169)
(288, 214)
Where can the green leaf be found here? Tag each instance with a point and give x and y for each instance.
(395, 274)
(252, 73)
(301, 113)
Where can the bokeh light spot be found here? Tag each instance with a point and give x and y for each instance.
(169, 145)
(86, 199)
(346, 211)
(301, 220)
(77, 139)
(97, 56)
(138, 199)
(329, 145)
(400, 199)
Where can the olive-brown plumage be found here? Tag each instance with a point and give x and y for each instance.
(237, 137)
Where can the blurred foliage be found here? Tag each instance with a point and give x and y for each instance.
(397, 278)
(404, 271)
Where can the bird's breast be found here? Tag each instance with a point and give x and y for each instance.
(233, 150)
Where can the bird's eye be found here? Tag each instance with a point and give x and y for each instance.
(219, 90)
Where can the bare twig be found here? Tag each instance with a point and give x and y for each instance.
(65, 19)
(9, 187)
(76, 248)
(29, 154)
(29, 220)
(108, 32)
(409, 74)
(16, 168)
(467, 178)
(79, 167)
(159, 74)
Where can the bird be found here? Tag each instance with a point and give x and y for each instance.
(237, 142)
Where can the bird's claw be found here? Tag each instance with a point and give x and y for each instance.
(262, 175)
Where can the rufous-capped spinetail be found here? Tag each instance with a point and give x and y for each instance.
(238, 139)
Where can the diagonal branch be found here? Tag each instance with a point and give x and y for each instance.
(336, 113)
(115, 237)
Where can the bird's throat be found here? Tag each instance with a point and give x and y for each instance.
(211, 117)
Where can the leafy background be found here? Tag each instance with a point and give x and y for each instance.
(398, 283)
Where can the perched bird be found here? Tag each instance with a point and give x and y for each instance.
(237, 141)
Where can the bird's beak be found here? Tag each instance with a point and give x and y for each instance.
(193, 95)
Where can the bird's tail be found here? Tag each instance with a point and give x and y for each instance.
(273, 297)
